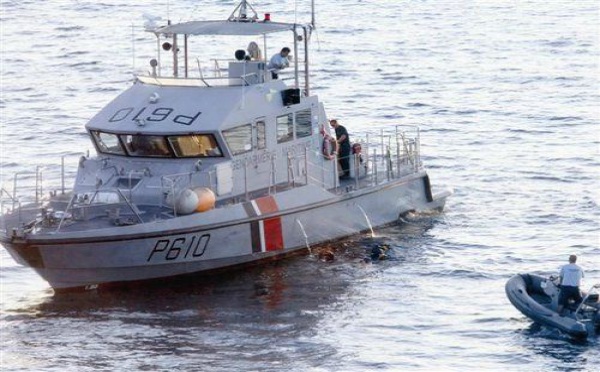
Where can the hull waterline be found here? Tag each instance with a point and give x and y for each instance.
(117, 258)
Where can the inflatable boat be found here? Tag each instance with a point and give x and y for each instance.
(537, 298)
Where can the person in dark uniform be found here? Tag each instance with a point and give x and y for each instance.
(343, 139)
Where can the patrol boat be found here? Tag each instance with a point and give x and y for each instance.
(197, 173)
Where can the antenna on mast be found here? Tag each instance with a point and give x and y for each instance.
(312, 14)
(168, 12)
(242, 15)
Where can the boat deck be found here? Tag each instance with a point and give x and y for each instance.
(58, 215)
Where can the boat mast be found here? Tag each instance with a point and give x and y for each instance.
(312, 14)
(306, 62)
(307, 34)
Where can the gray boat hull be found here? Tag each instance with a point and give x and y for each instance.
(528, 293)
(194, 174)
(268, 227)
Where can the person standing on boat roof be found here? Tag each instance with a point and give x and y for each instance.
(279, 61)
(570, 280)
(343, 139)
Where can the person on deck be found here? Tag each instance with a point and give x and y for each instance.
(279, 61)
(343, 139)
(254, 51)
(357, 152)
(570, 280)
(330, 147)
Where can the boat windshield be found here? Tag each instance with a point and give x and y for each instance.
(186, 146)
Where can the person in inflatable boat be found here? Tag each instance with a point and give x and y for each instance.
(570, 280)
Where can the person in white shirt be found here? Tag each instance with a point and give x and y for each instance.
(570, 280)
(279, 61)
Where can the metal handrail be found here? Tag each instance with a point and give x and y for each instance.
(400, 156)
(587, 295)
(90, 204)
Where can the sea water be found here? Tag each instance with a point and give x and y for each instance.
(507, 97)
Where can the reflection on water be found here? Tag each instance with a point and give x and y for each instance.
(279, 302)
(273, 307)
(250, 289)
(506, 96)
(266, 317)
(548, 342)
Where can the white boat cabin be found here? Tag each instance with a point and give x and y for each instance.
(238, 132)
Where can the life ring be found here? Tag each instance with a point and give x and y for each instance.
(329, 147)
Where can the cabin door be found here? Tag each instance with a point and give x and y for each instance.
(261, 159)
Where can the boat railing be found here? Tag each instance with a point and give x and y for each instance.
(10, 202)
(172, 184)
(383, 155)
(109, 202)
(22, 190)
(208, 82)
(593, 290)
(386, 154)
(223, 72)
(221, 65)
(389, 153)
(192, 82)
(30, 190)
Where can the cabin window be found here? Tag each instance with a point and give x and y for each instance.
(188, 146)
(108, 143)
(239, 139)
(261, 141)
(285, 128)
(198, 145)
(303, 124)
(139, 145)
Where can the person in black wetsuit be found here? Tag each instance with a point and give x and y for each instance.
(343, 139)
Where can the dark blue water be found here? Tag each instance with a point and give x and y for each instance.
(507, 96)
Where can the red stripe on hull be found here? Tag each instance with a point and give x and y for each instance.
(273, 234)
(272, 226)
(267, 204)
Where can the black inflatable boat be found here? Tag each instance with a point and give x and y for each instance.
(537, 298)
